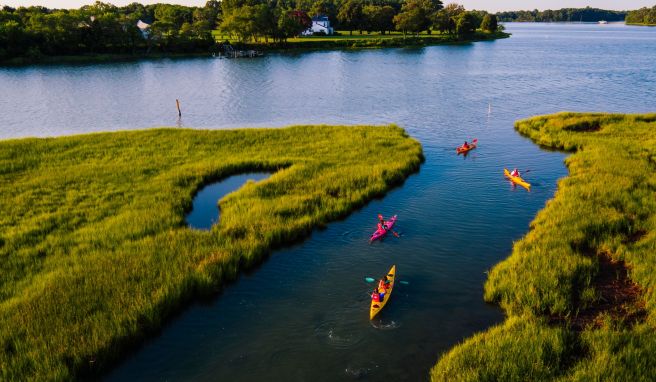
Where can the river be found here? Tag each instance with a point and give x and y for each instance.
(303, 314)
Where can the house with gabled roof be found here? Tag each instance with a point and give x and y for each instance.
(320, 24)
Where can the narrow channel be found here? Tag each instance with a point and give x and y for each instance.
(205, 211)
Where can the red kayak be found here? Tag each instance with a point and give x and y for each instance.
(380, 233)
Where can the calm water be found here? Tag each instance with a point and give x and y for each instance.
(303, 315)
(205, 210)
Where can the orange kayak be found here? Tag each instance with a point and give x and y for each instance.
(461, 150)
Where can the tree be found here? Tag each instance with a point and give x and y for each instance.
(324, 8)
(209, 13)
(443, 22)
(411, 20)
(466, 24)
(292, 23)
(350, 16)
(416, 15)
(489, 23)
(243, 22)
(378, 18)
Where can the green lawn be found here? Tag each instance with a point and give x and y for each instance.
(94, 247)
(605, 209)
(357, 40)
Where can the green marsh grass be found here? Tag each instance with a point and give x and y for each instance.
(605, 207)
(95, 252)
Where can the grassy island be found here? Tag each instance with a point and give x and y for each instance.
(578, 289)
(94, 246)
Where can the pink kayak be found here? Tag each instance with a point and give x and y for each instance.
(380, 233)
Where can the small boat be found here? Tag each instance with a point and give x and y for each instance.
(380, 233)
(461, 150)
(377, 306)
(517, 179)
(603, 22)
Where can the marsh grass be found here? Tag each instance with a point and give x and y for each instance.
(605, 207)
(95, 253)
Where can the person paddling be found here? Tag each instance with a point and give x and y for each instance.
(375, 296)
(515, 173)
(382, 225)
(465, 145)
(382, 284)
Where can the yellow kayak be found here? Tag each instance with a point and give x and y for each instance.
(517, 179)
(378, 306)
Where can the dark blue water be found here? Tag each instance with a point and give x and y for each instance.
(303, 315)
(205, 211)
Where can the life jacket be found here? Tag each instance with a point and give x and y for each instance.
(375, 297)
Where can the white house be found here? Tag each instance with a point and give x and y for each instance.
(144, 28)
(319, 24)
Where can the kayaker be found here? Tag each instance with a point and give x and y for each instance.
(375, 296)
(381, 225)
(465, 145)
(515, 173)
(383, 284)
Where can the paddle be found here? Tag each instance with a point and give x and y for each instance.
(371, 279)
(382, 221)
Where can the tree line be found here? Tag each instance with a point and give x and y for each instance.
(103, 28)
(563, 15)
(256, 20)
(642, 16)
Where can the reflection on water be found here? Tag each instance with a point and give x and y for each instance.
(303, 315)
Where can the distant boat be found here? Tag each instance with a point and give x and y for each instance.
(603, 22)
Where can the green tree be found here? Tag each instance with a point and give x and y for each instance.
(466, 24)
(241, 22)
(445, 20)
(292, 23)
(416, 15)
(411, 20)
(378, 18)
(325, 8)
(489, 23)
(350, 16)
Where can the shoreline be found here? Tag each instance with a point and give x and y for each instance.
(641, 24)
(288, 47)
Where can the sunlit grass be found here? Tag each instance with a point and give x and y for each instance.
(94, 249)
(364, 40)
(606, 205)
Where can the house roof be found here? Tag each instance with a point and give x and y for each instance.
(141, 25)
(320, 18)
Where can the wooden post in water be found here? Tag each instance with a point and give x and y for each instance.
(177, 102)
